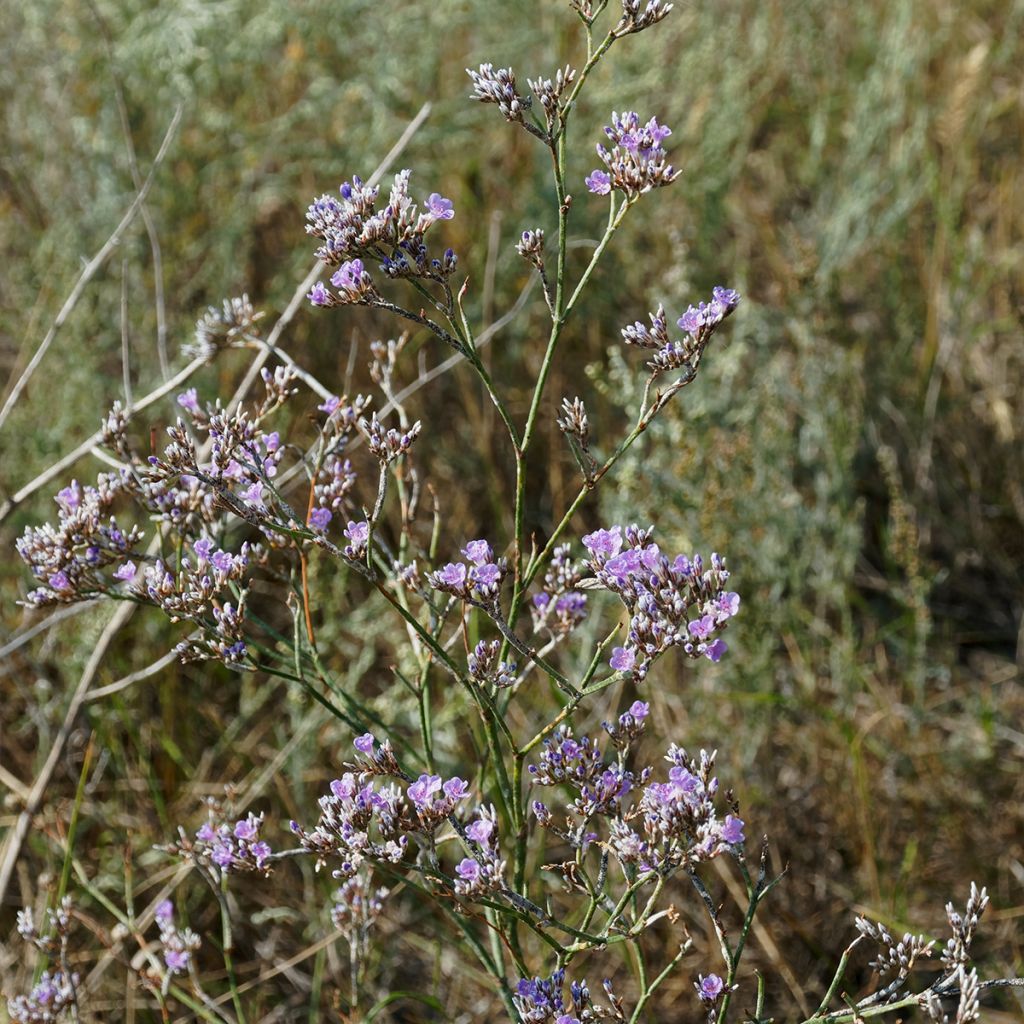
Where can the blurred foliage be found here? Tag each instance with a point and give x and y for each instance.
(855, 447)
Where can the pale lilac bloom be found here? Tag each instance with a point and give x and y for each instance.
(164, 910)
(456, 789)
(701, 628)
(319, 517)
(728, 605)
(599, 182)
(246, 829)
(440, 208)
(260, 852)
(348, 276)
(421, 792)
(468, 869)
(624, 563)
(486, 575)
(125, 572)
(222, 855)
(715, 650)
(222, 561)
(319, 295)
(732, 830)
(478, 552)
(176, 959)
(480, 830)
(710, 988)
(189, 401)
(623, 659)
(203, 548)
(330, 405)
(71, 496)
(453, 575)
(254, 494)
(604, 542)
(639, 710)
(364, 743)
(692, 320)
(60, 581)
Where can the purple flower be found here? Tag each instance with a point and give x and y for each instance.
(189, 401)
(330, 404)
(319, 295)
(604, 542)
(246, 829)
(440, 208)
(692, 320)
(599, 182)
(702, 628)
(541, 600)
(222, 561)
(260, 852)
(486, 575)
(222, 855)
(480, 830)
(639, 710)
(125, 572)
(732, 830)
(421, 792)
(710, 988)
(468, 869)
(202, 548)
(715, 650)
(623, 659)
(364, 744)
(164, 910)
(478, 552)
(728, 605)
(659, 132)
(176, 959)
(59, 580)
(453, 575)
(456, 789)
(70, 496)
(358, 534)
(348, 276)
(254, 494)
(623, 564)
(319, 517)
(728, 297)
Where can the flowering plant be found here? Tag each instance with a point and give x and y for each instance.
(241, 510)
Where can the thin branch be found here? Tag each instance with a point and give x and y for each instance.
(89, 272)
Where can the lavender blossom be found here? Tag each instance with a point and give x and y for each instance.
(637, 161)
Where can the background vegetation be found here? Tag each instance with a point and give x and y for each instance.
(855, 448)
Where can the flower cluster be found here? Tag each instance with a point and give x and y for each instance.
(487, 669)
(357, 823)
(354, 231)
(87, 551)
(672, 603)
(51, 996)
(480, 580)
(177, 944)
(700, 322)
(483, 872)
(640, 14)
(356, 907)
(541, 1000)
(680, 825)
(600, 788)
(559, 607)
(226, 847)
(637, 161)
(221, 328)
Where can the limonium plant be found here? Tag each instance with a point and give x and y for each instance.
(231, 513)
